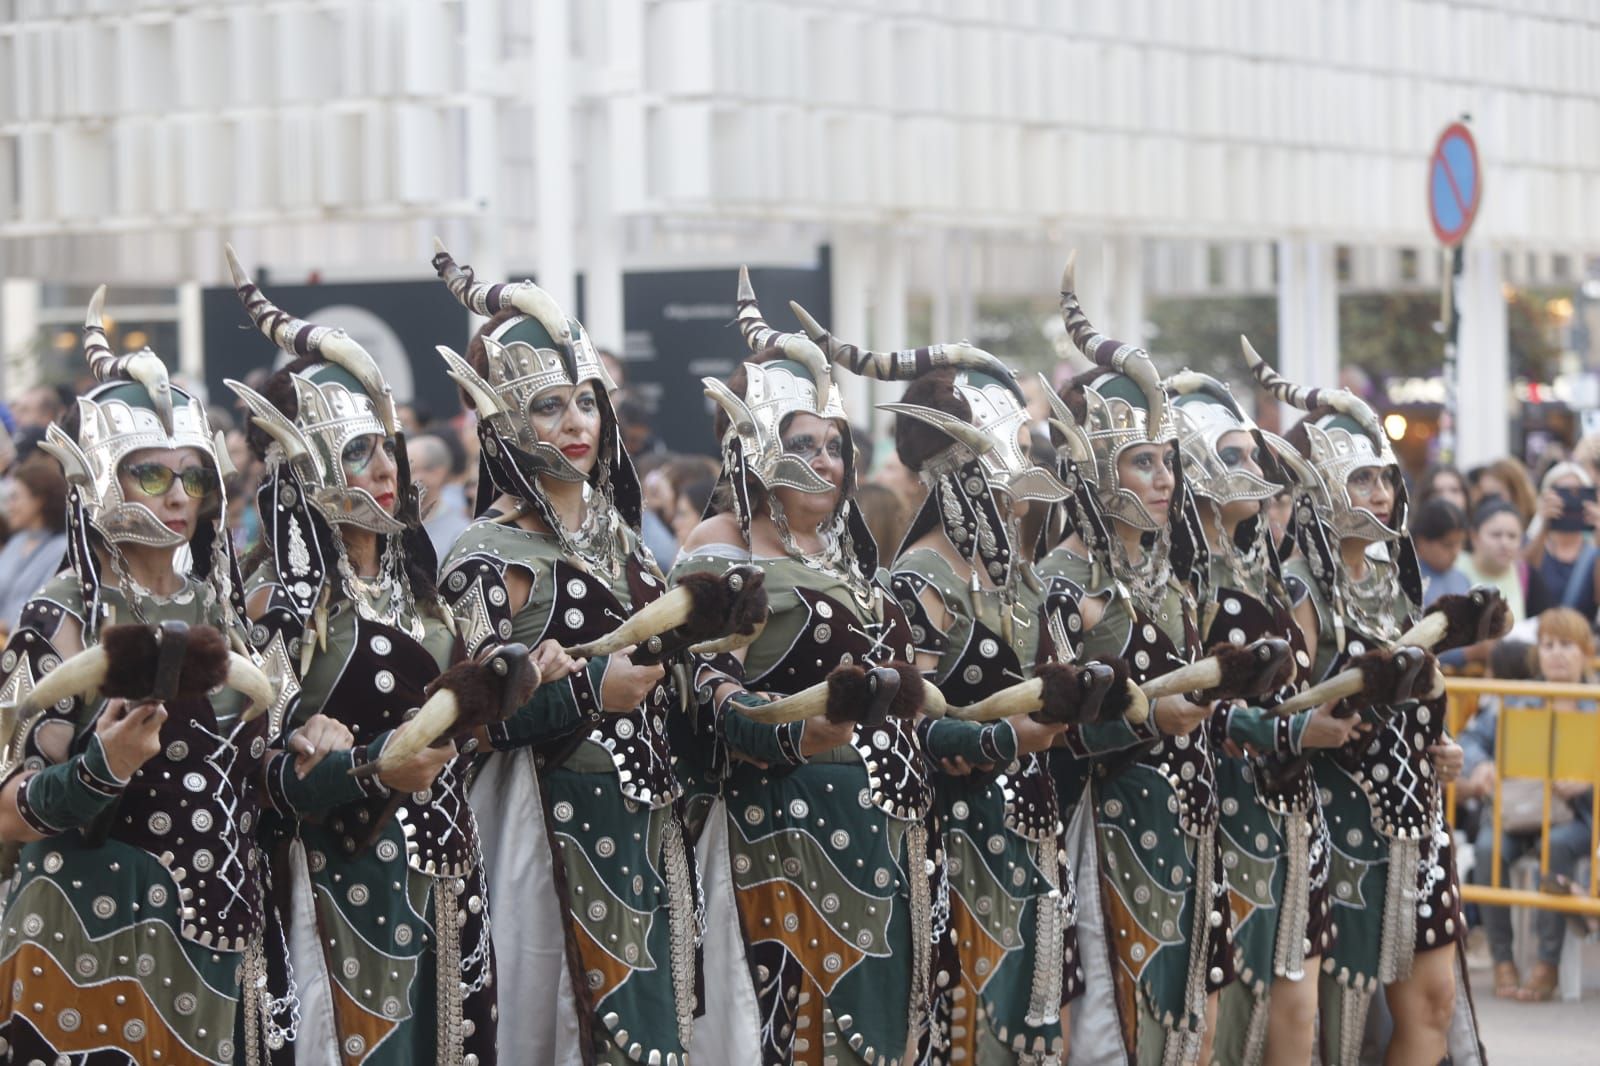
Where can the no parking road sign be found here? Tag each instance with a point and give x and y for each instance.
(1455, 184)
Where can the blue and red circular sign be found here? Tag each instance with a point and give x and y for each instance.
(1455, 184)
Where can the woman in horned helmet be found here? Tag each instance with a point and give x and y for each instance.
(983, 621)
(389, 933)
(133, 922)
(592, 879)
(1153, 793)
(826, 922)
(1396, 903)
(1274, 840)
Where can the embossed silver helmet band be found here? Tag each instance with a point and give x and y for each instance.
(338, 400)
(1205, 411)
(993, 437)
(798, 383)
(1344, 436)
(1125, 406)
(134, 407)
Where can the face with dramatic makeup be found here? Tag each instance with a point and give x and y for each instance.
(568, 417)
(1238, 451)
(1149, 472)
(820, 443)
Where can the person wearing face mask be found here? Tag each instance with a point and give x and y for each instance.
(1152, 873)
(592, 880)
(1274, 838)
(134, 915)
(1396, 901)
(983, 622)
(381, 888)
(1563, 655)
(823, 870)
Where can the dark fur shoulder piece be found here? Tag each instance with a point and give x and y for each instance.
(478, 691)
(1069, 694)
(1389, 676)
(849, 694)
(1481, 614)
(132, 653)
(1119, 697)
(911, 696)
(1251, 670)
(205, 661)
(717, 609)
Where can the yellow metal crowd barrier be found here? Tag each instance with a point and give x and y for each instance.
(1540, 743)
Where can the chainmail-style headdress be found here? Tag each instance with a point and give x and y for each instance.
(134, 406)
(984, 456)
(1343, 435)
(752, 445)
(534, 350)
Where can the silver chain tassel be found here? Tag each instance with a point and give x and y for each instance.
(1044, 997)
(683, 923)
(921, 935)
(447, 918)
(1399, 912)
(1289, 960)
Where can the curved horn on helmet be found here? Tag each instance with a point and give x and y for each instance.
(142, 367)
(1281, 388)
(479, 392)
(482, 298)
(1128, 359)
(758, 335)
(1306, 399)
(904, 364)
(299, 337)
(975, 439)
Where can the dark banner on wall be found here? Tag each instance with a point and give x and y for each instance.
(399, 322)
(680, 329)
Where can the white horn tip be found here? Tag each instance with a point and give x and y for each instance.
(1069, 274)
(235, 267)
(746, 290)
(439, 248)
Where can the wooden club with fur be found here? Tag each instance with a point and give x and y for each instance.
(703, 608)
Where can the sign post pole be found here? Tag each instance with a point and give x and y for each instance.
(1455, 189)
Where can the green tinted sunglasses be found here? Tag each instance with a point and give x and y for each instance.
(155, 479)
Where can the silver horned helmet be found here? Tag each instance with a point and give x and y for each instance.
(774, 390)
(339, 399)
(1205, 411)
(1126, 405)
(536, 349)
(999, 412)
(1343, 436)
(133, 406)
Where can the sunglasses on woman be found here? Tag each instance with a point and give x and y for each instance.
(155, 479)
(358, 454)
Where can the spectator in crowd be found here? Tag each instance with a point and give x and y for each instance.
(1507, 479)
(36, 512)
(1444, 482)
(617, 371)
(1496, 558)
(445, 514)
(886, 518)
(894, 476)
(1440, 531)
(637, 436)
(413, 417)
(1561, 546)
(38, 406)
(660, 505)
(691, 502)
(1565, 649)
